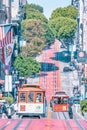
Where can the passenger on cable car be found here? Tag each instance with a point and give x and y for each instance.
(65, 100)
(31, 97)
(22, 97)
(38, 97)
(59, 100)
(55, 100)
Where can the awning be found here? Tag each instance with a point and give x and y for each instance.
(2, 81)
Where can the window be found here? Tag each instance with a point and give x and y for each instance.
(22, 97)
(55, 100)
(38, 97)
(31, 97)
(65, 100)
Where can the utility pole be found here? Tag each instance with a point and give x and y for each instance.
(81, 11)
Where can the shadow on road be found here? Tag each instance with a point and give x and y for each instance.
(63, 56)
(48, 67)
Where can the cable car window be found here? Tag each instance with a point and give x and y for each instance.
(22, 97)
(55, 100)
(65, 100)
(38, 97)
(31, 97)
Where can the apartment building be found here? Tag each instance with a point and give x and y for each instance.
(3, 13)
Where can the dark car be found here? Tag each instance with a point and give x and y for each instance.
(76, 101)
(1, 110)
(67, 69)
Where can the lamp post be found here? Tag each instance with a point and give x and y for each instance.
(15, 77)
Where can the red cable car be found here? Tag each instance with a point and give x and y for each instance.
(60, 102)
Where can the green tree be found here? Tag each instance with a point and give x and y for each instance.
(9, 99)
(64, 29)
(33, 11)
(67, 12)
(37, 28)
(31, 7)
(83, 105)
(67, 32)
(37, 35)
(36, 15)
(33, 48)
(26, 66)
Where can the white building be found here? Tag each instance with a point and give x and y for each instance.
(15, 7)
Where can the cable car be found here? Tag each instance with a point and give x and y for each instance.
(60, 102)
(31, 101)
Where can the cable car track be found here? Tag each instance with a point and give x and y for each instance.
(49, 80)
(67, 122)
(78, 123)
(62, 115)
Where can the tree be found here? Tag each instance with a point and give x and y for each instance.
(67, 32)
(64, 29)
(67, 12)
(83, 105)
(37, 35)
(37, 28)
(31, 7)
(26, 66)
(9, 99)
(36, 15)
(33, 48)
(33, 11)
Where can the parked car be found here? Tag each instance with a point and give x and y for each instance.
(67, 69)
(62, 46)
(76, 101)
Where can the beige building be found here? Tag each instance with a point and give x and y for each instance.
(15, 9)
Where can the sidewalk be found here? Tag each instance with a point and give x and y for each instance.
(77, 112)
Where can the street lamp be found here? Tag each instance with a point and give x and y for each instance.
(15, 79)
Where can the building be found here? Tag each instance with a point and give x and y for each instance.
(82, 41)
(10, 14)
(24, 2)
(3, 13)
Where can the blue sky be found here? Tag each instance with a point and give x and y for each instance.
(50, 5)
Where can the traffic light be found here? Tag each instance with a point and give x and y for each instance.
(81, 56)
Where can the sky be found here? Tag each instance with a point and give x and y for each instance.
(50, 5)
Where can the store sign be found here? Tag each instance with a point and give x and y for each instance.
(81, 56)
(86, 70)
